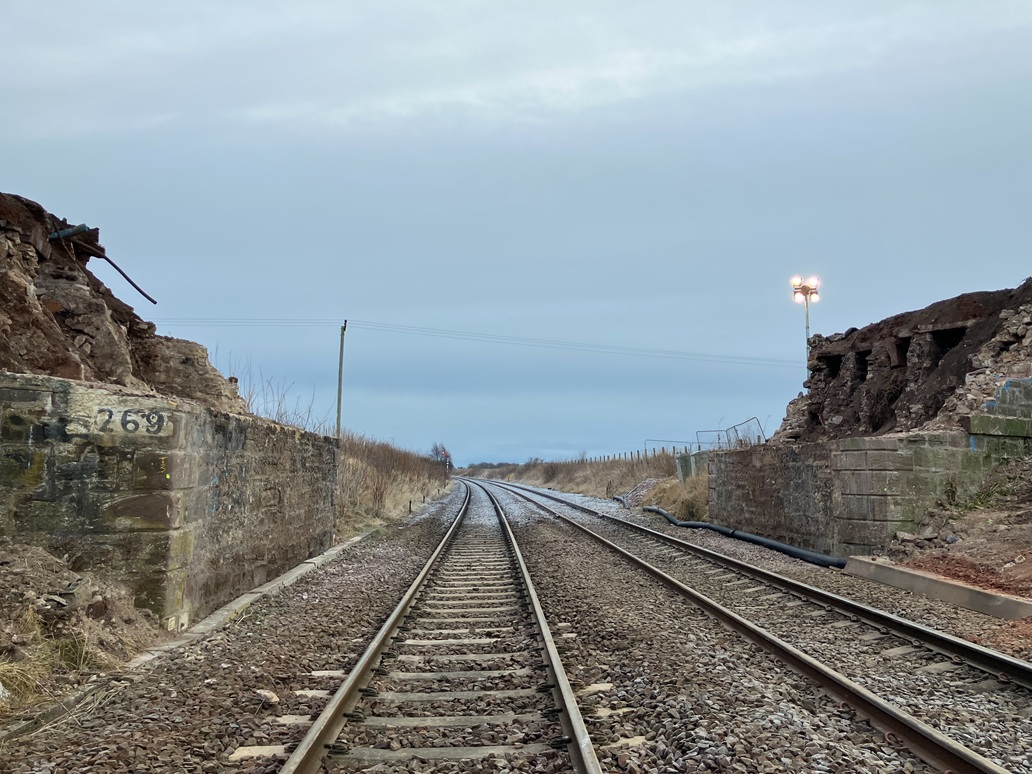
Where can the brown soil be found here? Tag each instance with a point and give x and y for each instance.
(58, 627)
(986, 541)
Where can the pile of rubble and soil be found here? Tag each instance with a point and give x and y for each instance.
(58, 319)
(926, 369)
(986, 541)
(58, 628)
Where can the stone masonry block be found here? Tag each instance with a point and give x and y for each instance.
(132, 552)
(44, 517)
(880, 443)
(854, 507)
(872, 482)
(952, 440)
(181, 547)
(150, 511)
(993, 425)
(849, 460)
(909, 511)
(159, 592)
(853, 482)
(850, 444)
(1014, 398)
(932, 459)
(175, 470)
(22, 469)
(885, 508)
(890, 460)
(16, 427)
(871, 533)
(924, 484)
(973, 466)
(20, 397)
(1001, 446)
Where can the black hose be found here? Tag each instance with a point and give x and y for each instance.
(824, 560)
(622, 501)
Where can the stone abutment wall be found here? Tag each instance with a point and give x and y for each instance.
(186, 505)
(851, 496)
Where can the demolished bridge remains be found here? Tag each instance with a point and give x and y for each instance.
(128, 452)
(898, 416)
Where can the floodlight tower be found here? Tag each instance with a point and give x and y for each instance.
(803, 292)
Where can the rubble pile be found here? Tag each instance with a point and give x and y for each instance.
(1006, 356)
(58, 319)
(917, 370)
(64, 624)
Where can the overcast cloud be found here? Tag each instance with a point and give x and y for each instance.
(643, 175)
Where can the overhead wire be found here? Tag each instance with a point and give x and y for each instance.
(412, 330)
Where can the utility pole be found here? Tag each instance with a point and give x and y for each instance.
(340, 373)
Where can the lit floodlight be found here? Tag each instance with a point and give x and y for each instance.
(803, 292)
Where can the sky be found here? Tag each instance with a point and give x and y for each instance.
(554, 228)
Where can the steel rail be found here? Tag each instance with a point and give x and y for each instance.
(1001, 666)
(307, 758)
(582, 751)
(934, 748)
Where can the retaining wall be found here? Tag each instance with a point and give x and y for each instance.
(852, 495)
(186, 505)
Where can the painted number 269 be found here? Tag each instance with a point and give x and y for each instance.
(131, 421)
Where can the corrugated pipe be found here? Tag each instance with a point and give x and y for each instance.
(622, 501)
(824, 560)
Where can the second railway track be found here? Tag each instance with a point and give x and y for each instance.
(970, 718)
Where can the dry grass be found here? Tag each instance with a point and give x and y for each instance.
(377, 481)
(614, 477)
(24, 677)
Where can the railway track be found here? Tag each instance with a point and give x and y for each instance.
(465, 670)
(958, 706)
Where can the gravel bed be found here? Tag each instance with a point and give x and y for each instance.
(666, 689)
(958, 621)
(977, 712)
(190, 709)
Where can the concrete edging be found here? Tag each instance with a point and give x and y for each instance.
(936, 587)
(199, 630)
